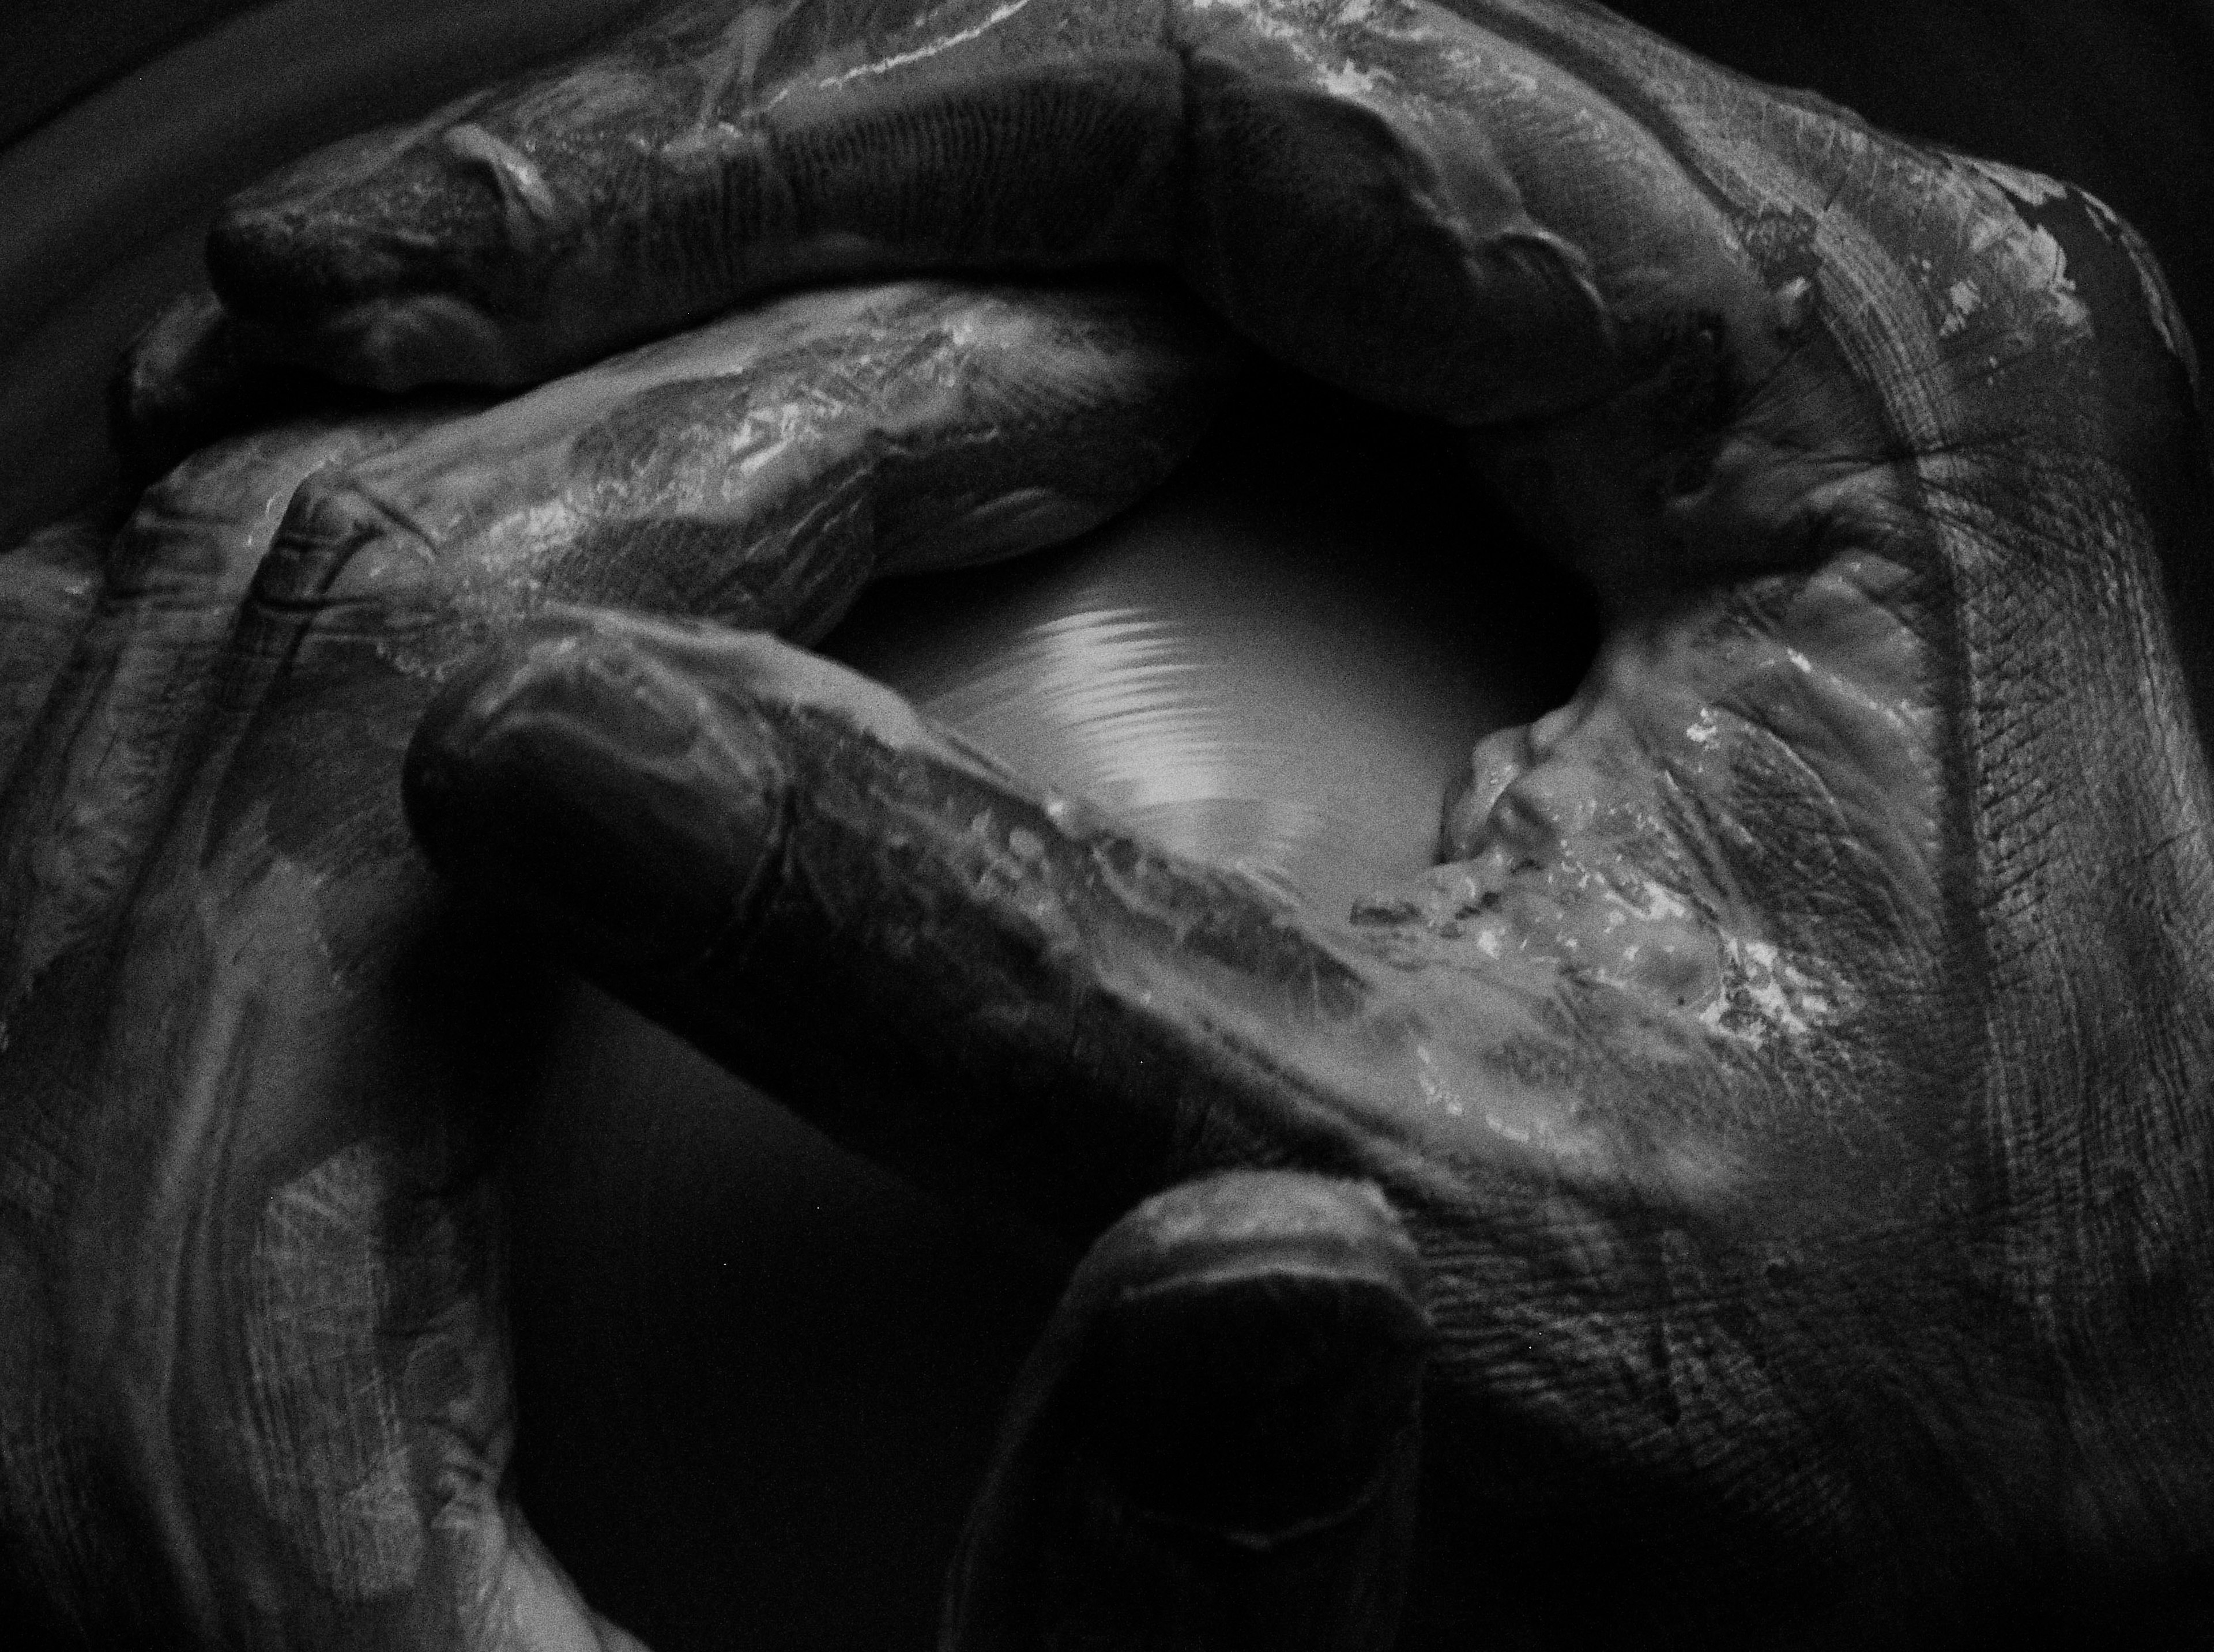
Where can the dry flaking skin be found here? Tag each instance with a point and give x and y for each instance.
(254, 1388)
(1794, 1077)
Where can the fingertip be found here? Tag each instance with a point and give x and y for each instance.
(1217, 1445)
(1257, 1352)
(373, 261)
(277, 266)
(571, 774)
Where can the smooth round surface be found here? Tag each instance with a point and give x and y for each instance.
(1272, 678)
(761, 1379)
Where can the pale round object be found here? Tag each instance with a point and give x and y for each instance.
(1266, 677)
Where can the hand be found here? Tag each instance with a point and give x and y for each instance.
(1791, 1227)
(258, 1069)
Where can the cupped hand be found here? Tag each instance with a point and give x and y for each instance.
(1779, 1113)
(257, 1066)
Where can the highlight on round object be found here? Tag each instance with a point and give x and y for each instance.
(1276, 664)
(758, 1378)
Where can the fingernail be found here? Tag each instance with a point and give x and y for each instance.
(575, 777)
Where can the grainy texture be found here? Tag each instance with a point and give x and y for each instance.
(255, 1065)
(1793, 1078)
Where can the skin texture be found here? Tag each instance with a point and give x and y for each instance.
(258, 1063)
(1792, 1080)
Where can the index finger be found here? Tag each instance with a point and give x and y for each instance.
(1482, 216)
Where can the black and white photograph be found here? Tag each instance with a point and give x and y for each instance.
(1106, 826)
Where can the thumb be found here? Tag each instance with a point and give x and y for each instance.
(1216, 1444)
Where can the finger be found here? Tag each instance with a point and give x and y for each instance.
(1216, 1444)
(762, 470)
(935, 963)
(278, 1156)
(47, 585)
(996, 422)
(187, 380)
(1426, 208)
(997, 989)
(112, 737)
(535, 1606)
(778, 858)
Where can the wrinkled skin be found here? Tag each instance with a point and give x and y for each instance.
(257, 1065)
(1787, 1094)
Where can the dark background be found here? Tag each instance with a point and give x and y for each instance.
(757, 1313)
